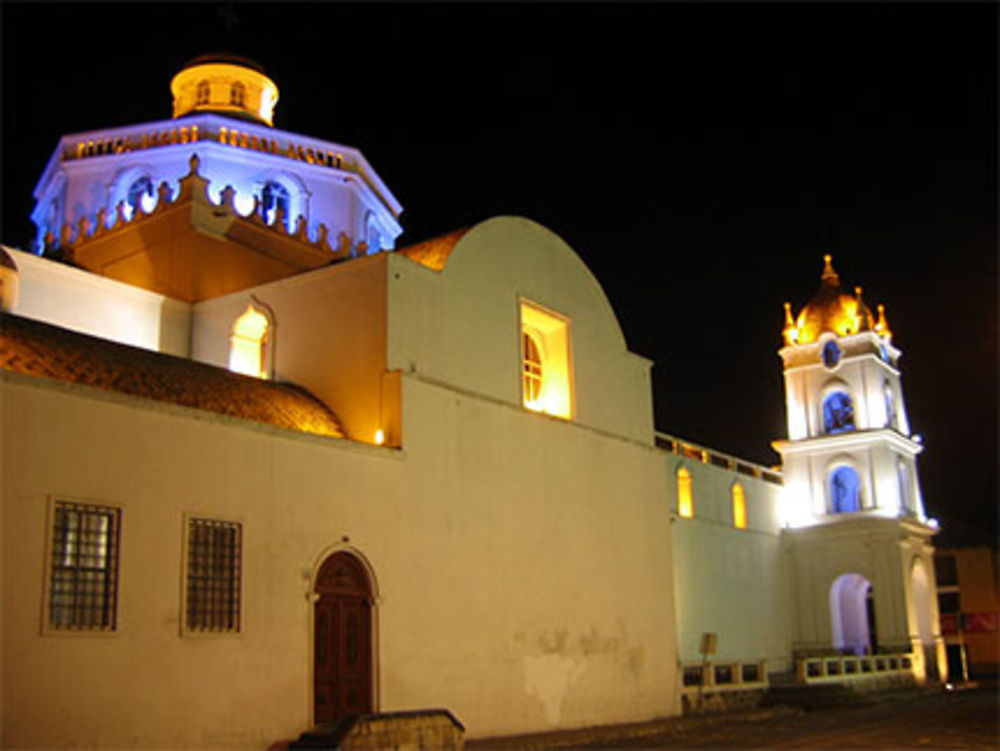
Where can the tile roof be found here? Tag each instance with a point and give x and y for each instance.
(434, 253)
(39, 349)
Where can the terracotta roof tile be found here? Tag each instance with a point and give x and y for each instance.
(434, 253)
(39, 349)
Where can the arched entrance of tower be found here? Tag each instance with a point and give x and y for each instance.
(343, 652)
(852, 611)
(922, 617)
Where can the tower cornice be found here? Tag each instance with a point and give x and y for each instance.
(853, 439)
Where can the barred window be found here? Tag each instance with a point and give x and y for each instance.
(213, 575)
(83, 591)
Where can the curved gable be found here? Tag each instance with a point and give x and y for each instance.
(462, 325)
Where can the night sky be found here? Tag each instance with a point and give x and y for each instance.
(700, 158)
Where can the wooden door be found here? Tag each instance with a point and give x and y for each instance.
(342, 637)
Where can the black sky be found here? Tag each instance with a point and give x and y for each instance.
(699, 157)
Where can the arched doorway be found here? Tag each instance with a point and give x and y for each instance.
(342, 639)
(852, 610)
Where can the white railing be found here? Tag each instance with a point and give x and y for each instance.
(713, 677)
(131, 140)
(845, 668)
(679, 446)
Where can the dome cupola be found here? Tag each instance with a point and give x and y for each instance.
(831, 310)
(225, 84)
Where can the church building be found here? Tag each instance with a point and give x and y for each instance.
(263, 470)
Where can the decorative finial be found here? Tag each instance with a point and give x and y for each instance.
(193, 163)
(828, 272)
(882, 327)
(791, 332)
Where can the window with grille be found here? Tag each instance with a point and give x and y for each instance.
(532, 370)
(83, 590)
(546, 361)
(213, 576)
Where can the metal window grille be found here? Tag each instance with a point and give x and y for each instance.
(213, 575)
(83, 591)
(532, 369)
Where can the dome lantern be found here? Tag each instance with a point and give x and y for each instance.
(225, 84)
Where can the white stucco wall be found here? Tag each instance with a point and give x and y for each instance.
(732, 582)
(460, 326)
(882, 551)
(330, 335)
(80, 301)
(522, 563)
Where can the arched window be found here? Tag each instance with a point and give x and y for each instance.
(237, 94)
(274, 196)
(739, 507)
(845, 490)
(202, 93)
(53, 224)
(838, 413)
(140, 195)
(373, 237)
(546, 380)
(531, 357)
(831, 354)
(248, 344)
(890, 405)
(685, 494)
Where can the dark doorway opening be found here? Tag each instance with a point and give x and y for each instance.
(342, 622)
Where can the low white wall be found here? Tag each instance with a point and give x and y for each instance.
(80, 301)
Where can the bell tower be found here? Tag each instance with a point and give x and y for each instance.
(849, 448)
(858, 538)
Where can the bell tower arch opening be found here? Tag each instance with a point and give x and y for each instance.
(852, 614)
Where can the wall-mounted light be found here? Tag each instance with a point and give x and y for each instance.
(379, 437)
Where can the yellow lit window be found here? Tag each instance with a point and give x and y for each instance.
(202, 93)
(739, 507)
(546, 367)
(237, 93)
(685, 497)
(248, 344)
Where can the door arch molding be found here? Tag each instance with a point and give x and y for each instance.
(362, 558)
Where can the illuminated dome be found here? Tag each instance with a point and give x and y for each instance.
(225, 84)
(831, 310)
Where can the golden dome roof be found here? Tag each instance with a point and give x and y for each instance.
(831, 310)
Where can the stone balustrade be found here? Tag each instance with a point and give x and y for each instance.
(86, 148)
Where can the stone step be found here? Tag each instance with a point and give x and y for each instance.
(424, 728)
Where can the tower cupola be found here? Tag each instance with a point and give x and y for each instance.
(830, 311)
(225, 84)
